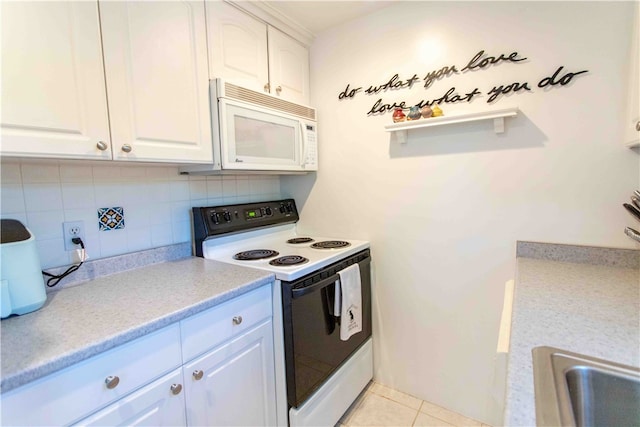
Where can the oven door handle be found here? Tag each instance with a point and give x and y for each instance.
(297, 293)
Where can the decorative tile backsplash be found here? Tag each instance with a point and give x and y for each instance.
(156, 200)
(111, 218)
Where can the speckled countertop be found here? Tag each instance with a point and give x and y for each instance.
(82, 321)
(585, 300)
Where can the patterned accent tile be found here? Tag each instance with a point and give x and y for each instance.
(111, 218)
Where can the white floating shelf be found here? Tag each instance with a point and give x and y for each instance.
(401, 129)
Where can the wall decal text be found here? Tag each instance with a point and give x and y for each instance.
(480, 61)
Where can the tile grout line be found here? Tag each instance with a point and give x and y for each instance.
(395, 401)
(413, 423)
(369, 390)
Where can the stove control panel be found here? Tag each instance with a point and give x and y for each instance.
(220, 220)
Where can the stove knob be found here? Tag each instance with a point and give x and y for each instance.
(289, 208)
(282, 210)
(215, 217)
(268, 211)
(227, 216)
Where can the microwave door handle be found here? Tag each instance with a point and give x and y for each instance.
(303, 160)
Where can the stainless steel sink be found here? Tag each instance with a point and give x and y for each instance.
(576, 390)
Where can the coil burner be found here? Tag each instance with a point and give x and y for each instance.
(331, 244)
(288, 260)
(299, 240)
(255, 254)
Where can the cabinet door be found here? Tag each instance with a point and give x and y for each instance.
(160, 403)
(53, 95)
(234, 384)
(288, 68)
(157, 83)
(237, 46)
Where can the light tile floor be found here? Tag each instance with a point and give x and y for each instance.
(378, 405)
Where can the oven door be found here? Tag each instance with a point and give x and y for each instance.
(313, 348)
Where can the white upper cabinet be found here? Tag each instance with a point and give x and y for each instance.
(253, 54)
(237, 46)
(54, 103)
(288, 67)
(53, 89)
(157, 84)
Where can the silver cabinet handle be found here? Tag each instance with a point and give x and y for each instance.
(278, 90)
(112, 381)
(127, 148)
(267, 87)
(237, 320)
(102, 145)
(638, 126)
(176, 388)
(197, 375)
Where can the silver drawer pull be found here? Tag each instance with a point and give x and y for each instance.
(237, 320)
(176, 388)
(127, 148)
(638, 126)
(278, 90)
(102, 145)
(112, 381)
(197, 375)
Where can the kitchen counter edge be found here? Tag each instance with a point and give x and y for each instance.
(80, 322)
(588, 305)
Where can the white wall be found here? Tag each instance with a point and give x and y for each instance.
(444, 211)
(157, 202)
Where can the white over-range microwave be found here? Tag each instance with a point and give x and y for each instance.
(257, 132)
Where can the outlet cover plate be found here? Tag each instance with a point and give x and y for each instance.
(71, 229)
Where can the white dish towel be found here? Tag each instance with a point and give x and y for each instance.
(348, 301)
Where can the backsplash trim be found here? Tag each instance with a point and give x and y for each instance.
(94, 269)
(613, 257)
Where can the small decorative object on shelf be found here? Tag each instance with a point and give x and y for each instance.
(398, 116)
(414, 113)
(437, 112)
(426, 112)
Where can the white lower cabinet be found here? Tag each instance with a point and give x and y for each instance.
(214, 368)
(160, 404)
(234, 384)
(73, 393)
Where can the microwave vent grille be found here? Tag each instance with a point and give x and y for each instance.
(247, 95)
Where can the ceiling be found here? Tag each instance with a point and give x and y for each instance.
(317, 16)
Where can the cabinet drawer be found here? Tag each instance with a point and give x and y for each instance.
(215, 325)
(158, 404)
(75, 392)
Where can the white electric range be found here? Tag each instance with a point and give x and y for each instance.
(280, 250)
(306, 333)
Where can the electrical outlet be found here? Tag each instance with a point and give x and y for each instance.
(72, 229)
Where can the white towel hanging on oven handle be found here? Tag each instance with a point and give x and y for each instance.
(348, 301)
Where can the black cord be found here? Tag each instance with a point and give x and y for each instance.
(58, 277)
